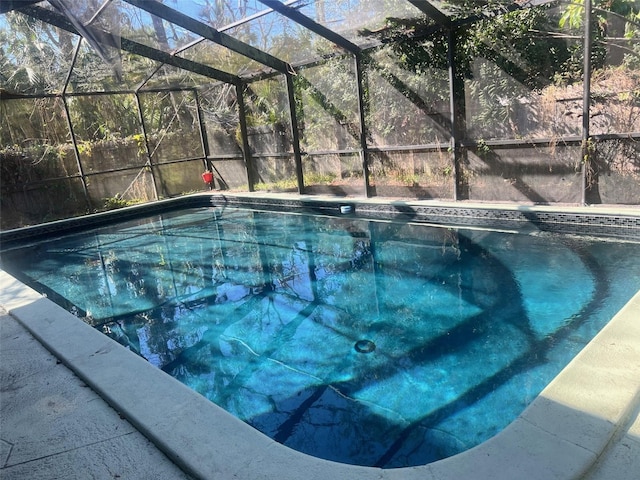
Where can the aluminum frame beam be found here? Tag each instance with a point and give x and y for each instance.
(587, 153)
(432, 12)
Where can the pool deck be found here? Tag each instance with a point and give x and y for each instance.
(75, 404)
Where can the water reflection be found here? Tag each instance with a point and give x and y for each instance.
(260, 313)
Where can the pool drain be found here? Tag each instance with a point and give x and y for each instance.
(365, 346)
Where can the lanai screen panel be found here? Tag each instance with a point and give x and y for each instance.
(252, 23)
(111, 147)
(171, 120)
(523, 103)
(614, 175)
(409, 103)
(270, 135)
(515, 88)
(106, 122)
(174, 140)
(219, 107)
(91, 74)
(329, 118)
(39, 172)
(166, 76)
(329, 127)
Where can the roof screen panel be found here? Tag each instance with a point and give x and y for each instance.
(281, 37)
(251, 22)
(148, 29)
(35, 57)
(222, 58)
(167, 76)
(217, 14)
(91, 74)
(353, 19)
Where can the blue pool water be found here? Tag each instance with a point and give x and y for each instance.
(364, 342)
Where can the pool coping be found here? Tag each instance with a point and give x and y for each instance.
(560, 435)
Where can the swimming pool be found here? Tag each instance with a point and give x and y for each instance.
(295, 294)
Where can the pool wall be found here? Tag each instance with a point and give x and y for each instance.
(559, 436)
(616, 222)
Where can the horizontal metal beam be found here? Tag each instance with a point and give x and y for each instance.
(210, 33)
(308, 23)
(432, 12)
(179, 62)
(60, 21)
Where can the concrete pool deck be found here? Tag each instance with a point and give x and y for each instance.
(137, 422)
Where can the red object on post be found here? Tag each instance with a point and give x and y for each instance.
(207, 177)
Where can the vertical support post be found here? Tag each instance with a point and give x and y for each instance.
(454, 93)
(244, 133)
(295, 132)
(146, 144)
(67, 113)
(362, 118)
(204, 141)
(586, 150)
(204, 144)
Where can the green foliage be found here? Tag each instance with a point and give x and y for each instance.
(280, 185)
(104, 117)
(267, 103)
(406, 178)
(84, 148)
(115, 202)
(509, 40)
(632, 32)
(29, 163)
(291, 183)
(317, 178)
(141, 142)
(33, 57)
(482, 148)
(573, 16)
